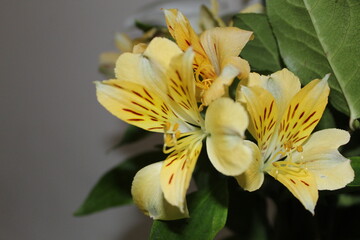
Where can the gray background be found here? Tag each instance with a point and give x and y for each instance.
(54, 135)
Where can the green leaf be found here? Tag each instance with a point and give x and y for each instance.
(114, 188)
(208, 212)
(247, 216)
(262, 53)
(131, 135)
(355, 163)
(145, 26)
(320, 37)
(327, 121)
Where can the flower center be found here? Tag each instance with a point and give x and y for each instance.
(171, 136)
(286, 151)
(291, 168)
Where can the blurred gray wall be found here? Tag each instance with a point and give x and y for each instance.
(54, 134)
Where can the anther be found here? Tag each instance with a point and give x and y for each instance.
(176, 127)
(177, 134)
(299, 148)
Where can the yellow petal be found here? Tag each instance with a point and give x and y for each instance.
(241, 64)
(108, 58)
(148, 69)
(303, 113)
(253, 79)
(253, 177)
(181, 88)
(178, 168)
(300, 183)
(149, 198)
(136, 105)
(254, 8)
(162, 50)
(185, 36)
(283, 85)
(140, 48)
(123, 42)
(221, 43)
(226, 122)
(262, 109)
(220, 85)
(321, 157)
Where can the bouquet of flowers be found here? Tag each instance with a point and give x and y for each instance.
(261, 112)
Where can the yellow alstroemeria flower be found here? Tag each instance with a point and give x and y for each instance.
(155, 91)
(217, 50)
(124, 44)
(282, 119)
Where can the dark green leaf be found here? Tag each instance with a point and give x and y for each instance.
(208, 211)
(327, 121)
(355, 163)
(145, 26)
(114, 188)
(320, 37)
(131, 135)
(262, 52)
(247, 216)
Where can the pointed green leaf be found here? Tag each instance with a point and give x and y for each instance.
(208, 212)
(320, 37)
(114, 188)
(355, 163)
(262, 53)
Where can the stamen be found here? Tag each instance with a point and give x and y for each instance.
(299, 148)
(292, 168)
(170, 137)
(176, 127)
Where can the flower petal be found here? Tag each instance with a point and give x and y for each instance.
(300, 182)
(123, 42)
(320, 156)
(162, 50)
(226, 122)
(253, 177)
(262, 109)
(149, 198)
(181, 88)
(303, 113)
(283, 85)
(241, 64)
(136, 105)
(220, 85)
(148, 69)
(222, 43)
(185, 36)
(178, 168)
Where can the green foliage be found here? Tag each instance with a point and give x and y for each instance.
(208, 212)
(355, 163)
(320, 37)
(247, 217)
(262, 52)
(114, 188)
(144, 26)
(327, 120)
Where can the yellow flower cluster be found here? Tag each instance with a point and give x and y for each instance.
(164, 86)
